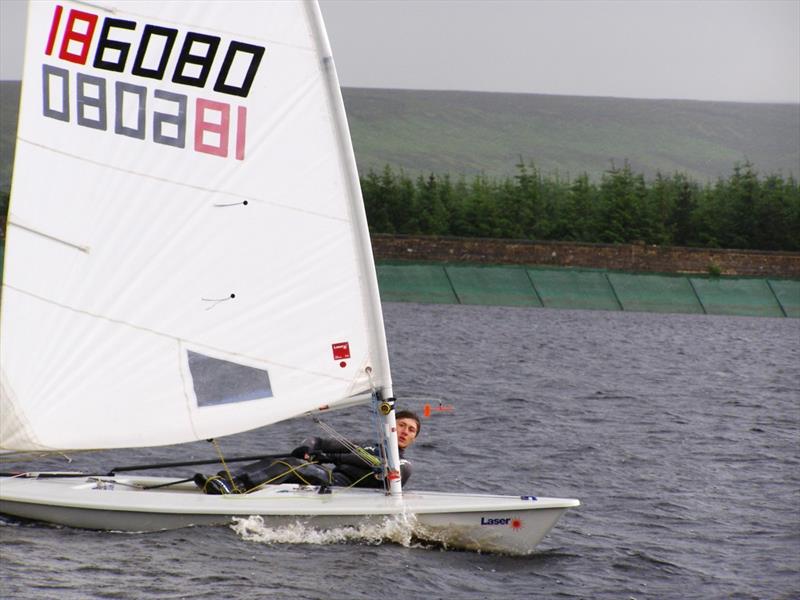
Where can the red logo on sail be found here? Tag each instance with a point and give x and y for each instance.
(341, 350)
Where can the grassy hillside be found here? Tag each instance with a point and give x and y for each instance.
(9, 107)
(471, 132)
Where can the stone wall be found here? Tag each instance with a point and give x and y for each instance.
(618, 257)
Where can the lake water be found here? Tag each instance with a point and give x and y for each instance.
(679, 433)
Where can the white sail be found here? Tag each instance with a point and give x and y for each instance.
(187, 253)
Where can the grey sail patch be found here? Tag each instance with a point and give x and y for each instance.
(218, 381)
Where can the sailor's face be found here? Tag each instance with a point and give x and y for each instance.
(406, 432)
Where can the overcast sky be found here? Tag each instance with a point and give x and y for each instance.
(694, 49)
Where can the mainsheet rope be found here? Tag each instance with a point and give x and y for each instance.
(355, 449)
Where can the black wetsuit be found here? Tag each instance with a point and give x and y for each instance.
(350, 469)
(346, 468)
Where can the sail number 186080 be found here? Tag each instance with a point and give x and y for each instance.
(134, 109)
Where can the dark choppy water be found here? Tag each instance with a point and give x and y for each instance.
(679, 433)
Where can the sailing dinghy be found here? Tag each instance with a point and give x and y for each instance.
(188, 258)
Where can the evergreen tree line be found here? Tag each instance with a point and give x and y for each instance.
(744, 211)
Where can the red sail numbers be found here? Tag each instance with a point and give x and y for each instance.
(138, 107)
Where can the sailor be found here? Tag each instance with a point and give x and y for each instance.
(319, 461)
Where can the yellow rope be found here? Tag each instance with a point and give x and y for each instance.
(209, 480)
(363, 454)
(224, 466)
(294, 469)
(359, 480)
(354, 449)
(291, 469)
(368, 457)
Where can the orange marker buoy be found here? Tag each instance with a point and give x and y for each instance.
(427, 409)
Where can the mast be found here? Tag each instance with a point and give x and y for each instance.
(372, 302)
(385, 408)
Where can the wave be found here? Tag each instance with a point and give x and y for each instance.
(395, 530)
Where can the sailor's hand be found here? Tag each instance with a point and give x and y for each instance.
(305, 455)
(321, 458)
(301, 452)
(307, 448)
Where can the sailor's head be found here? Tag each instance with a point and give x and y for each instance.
(408, 426)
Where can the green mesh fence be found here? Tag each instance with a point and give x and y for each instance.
(415, 283)
(788, 294)
(655, 293)
(574, 289)
(737, 297)
(586, 289)
(492, 285)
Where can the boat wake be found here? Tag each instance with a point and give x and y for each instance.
(392, 530)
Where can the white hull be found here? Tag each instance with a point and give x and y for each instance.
(508, 524)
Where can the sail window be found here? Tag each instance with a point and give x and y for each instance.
(219, 381)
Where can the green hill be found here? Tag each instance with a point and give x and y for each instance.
(472, 132)
(9, 108)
